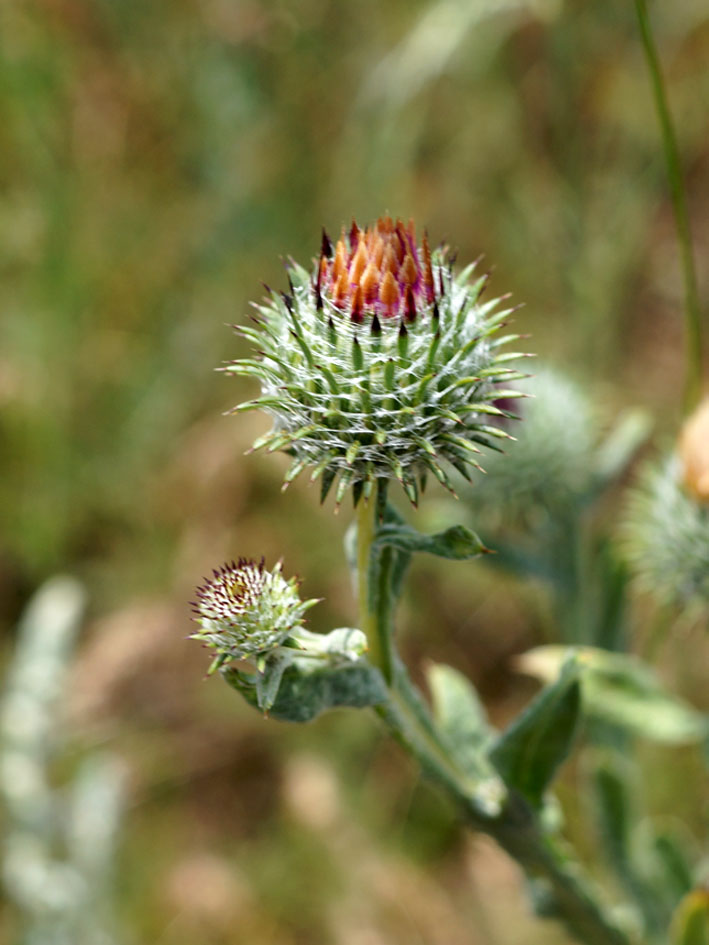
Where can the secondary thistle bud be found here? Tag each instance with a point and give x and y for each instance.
(693, 449)
(379, 364)
(247, 612)
(667, 535)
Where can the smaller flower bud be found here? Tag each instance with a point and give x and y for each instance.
(693, 450)
(247, 612)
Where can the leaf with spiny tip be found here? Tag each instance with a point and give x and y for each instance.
(304, 347)
(423, 384)
(382, 489)
(497, 432)
(331, 333)
(460, 442)
(368, 485)
(506, 374)
(343, 484)
(464, 275)
(490, 409)
(389, 369)
(512, 356)
(500, 394)
(328, 478)
(264, 440)
(425, 445)
(322, 465)
(485, 441)
(284, 440)
(403, 341)
(461, 465)
(357, 356)
(352, 452)
(450, 415)
(411, 489)
(398, 470)
(506, 339)
(326, 245)
(330, 378)
(260, 404)
(244, 368)
(432, 349)
(466, 381)
(294, 470)
(440, 474)
(304, 432)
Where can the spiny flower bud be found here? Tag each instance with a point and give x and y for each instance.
(551, 464)
(246, 611)
(693, 449)
(380, 363)
(667, 536)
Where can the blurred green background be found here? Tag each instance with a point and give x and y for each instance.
(158, 160)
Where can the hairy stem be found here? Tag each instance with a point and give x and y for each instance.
(692, 313)
(511, 821)
(375, 621)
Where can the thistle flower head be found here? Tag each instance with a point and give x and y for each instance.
(667, 535)
(380, 363)
(379, 271)
(246, 611)
(551, 465)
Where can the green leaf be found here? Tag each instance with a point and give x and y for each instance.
(460, 717)
(614, 806)
(616, 815)
(461, 724)
(690, 925)
(674, 859)
(457, 543)
(297, 685)
(529, 752)
(621, 690)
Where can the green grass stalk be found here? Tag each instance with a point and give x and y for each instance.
(692, 312)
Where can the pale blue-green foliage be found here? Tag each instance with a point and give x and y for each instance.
(666, 536)
(550, 463)
(373, 401)
(58, 848)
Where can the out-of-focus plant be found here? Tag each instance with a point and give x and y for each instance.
(383, 365)
(58, 848)
(668, 520)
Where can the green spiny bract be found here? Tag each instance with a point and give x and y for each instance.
(381, 364)
(247, 612)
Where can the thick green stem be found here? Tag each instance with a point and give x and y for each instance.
(510, 821)
(515, 828)
(375, 621)
(692, 312)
